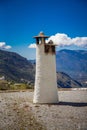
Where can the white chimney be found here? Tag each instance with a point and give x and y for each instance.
(45, 90)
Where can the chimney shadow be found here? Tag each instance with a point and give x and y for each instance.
(74, 104)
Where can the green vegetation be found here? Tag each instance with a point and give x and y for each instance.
(19, 73)
(4, 85)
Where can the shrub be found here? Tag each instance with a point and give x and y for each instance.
(4, 85)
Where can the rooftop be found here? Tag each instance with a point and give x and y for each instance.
(41, 35)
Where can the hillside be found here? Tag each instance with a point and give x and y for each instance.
(15, 67)
(73, 63)
(65, 81)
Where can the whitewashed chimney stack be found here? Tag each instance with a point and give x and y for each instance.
(45, 90)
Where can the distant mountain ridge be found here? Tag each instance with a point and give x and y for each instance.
(73, 63)
(17, 68)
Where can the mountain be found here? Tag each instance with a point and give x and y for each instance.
(32, 61)
(15, 67)
(65, 81)
(73, 63)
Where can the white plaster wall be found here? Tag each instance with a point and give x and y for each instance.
(45, 81)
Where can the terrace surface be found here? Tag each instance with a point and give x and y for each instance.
(17, 112)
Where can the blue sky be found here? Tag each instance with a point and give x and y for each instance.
(20, 20)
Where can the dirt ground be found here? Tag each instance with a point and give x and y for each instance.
(17, 112)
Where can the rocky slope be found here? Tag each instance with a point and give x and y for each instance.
(65, 81)
(17, 68)
(73, 63)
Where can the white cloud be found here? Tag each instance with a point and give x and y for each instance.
(32, 45)
(4, 46)
(7, 47)
(63, 40)
(80, 41)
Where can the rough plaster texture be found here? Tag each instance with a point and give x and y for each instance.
(45, 80)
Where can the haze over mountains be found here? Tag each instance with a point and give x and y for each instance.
(17, 68)
(73, 63)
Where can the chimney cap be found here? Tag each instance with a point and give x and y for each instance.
(41, 35)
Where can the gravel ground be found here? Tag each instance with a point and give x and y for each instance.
(17, 112)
